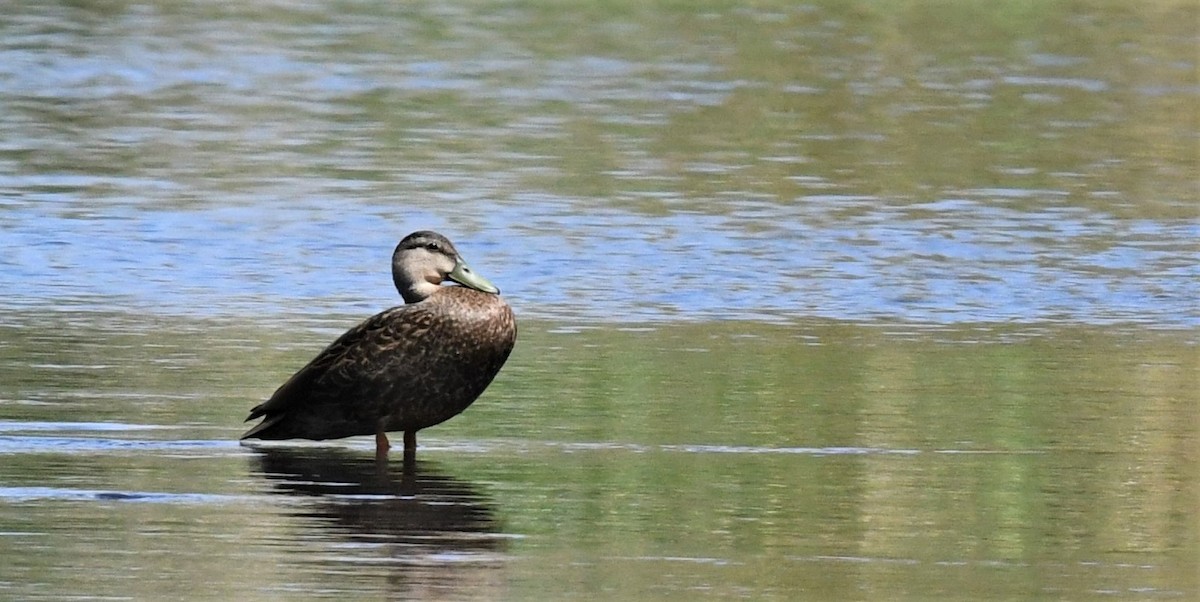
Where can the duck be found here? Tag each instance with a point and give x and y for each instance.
(406, 368)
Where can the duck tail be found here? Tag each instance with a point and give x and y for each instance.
(260, 430)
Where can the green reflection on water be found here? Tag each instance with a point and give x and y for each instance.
(815, 459)
(640, 461)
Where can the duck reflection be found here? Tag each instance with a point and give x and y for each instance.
(420, 529)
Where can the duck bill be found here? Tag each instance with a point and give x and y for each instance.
(464, 276)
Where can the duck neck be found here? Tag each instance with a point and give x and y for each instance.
(414, 281)
(414, 291)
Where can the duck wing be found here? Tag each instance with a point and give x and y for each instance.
(338, 371)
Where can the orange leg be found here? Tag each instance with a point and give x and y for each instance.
(382, 445)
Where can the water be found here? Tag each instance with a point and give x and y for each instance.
(817, 301)
(265, 158)
(732, 459)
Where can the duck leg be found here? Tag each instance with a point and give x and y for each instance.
(410, 450)
(382, 445)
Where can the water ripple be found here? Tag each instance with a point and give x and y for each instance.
(38, 494)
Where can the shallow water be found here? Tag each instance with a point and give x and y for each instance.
(840, 161)
(667, 461)
(817, 301)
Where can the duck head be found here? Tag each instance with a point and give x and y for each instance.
(426, 259)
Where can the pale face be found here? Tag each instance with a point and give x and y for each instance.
(424, 260)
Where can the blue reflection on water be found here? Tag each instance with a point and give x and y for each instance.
(963, 261)
(81, 90)
(38, 494)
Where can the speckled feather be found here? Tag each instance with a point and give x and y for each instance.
(404, 369)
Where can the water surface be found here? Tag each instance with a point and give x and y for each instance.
(818, 301)
(735, 459)
(850, 161)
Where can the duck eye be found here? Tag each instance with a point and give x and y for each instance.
(432, 246)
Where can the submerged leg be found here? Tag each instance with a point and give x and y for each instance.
(382, 445)
(410, 450)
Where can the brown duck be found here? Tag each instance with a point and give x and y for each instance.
(404, 369)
